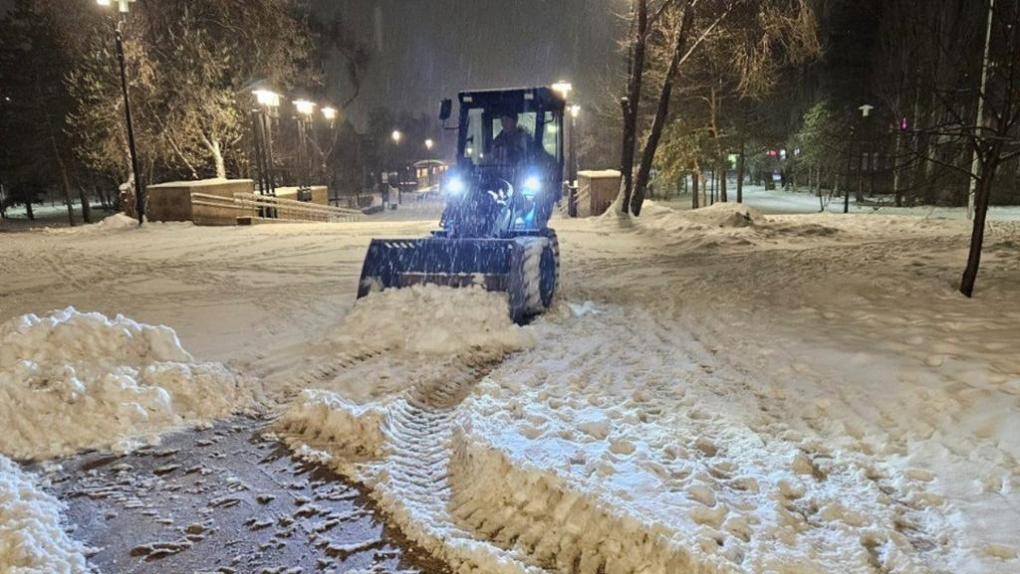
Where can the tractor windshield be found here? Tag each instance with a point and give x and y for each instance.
(540, 130)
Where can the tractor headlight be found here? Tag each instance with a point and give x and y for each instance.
(455, 185)
(532, 185)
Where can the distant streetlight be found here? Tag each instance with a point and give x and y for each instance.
(123, 8)
(397, 136)
(267, 98)
(865, 114)
(329, 113)
(123, 5)
(429, 144)
(575, 111)
(563, 88)
(304, 107)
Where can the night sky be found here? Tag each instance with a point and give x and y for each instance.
(424, 50)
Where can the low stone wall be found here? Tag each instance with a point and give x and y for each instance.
(172, 201)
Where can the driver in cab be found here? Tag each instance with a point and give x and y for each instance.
(511, 145)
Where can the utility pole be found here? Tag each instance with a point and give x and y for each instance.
(976, 162)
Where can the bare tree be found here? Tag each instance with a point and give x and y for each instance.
(752, 37)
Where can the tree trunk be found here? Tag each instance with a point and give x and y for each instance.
(632, 102)
(740, 172)
(86, 209)
(661, 113)
(28, 210)
(722, 182)
(217, 154)
(65, 180)
(695, 190)
(977, 238)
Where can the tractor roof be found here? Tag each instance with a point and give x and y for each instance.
(514, 98)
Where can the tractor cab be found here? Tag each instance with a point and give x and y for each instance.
(510, 157)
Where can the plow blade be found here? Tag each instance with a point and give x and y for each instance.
(448, 262)
(510, 266)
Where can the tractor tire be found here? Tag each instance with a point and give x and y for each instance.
(555, 242)
(533, 277)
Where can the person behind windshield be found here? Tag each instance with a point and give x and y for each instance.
(511, 145)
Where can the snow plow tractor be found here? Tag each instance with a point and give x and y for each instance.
(499, 197)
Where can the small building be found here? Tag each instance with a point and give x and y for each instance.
(596, 191)
(429, 173)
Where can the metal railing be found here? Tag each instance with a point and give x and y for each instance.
(264, 207)
(290, 210)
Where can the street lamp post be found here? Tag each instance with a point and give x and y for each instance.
(330, 114)
(305, 109)
(575, 111)
(397, 136)
(123, 8)
(267, 101)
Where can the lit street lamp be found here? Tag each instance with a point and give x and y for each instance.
(575, 111)
(429, 144)
(865, 114)
(397, 136)
(123, 7)
(330, 114)
(563, 88)
(267, 98)
(268, 101)
(305, 109)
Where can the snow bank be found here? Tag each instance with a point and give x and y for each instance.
(719, 226)
(118, 221)
(73, 380)
(32, 540)
(539, 514)
(325, 418)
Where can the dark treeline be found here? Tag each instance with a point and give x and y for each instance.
(191, 69)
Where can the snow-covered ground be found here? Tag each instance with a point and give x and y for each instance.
(32, 538)
(716, 391)
(782, 202)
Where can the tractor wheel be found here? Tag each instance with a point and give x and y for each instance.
(554, 241)
(533, 277)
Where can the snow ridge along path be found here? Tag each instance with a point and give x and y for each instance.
(402, 445)
(32, 537)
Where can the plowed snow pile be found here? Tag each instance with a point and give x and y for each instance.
(403, 338)
(73, 380)
(725, 225)
(32, 540)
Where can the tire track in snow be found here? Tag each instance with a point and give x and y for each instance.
(420, 429)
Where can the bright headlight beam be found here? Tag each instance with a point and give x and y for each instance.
(532, 185)
(455, 185)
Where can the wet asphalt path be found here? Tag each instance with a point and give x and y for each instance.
(230, 501)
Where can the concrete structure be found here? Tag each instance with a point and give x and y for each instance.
(173, 202)
(596, 191)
